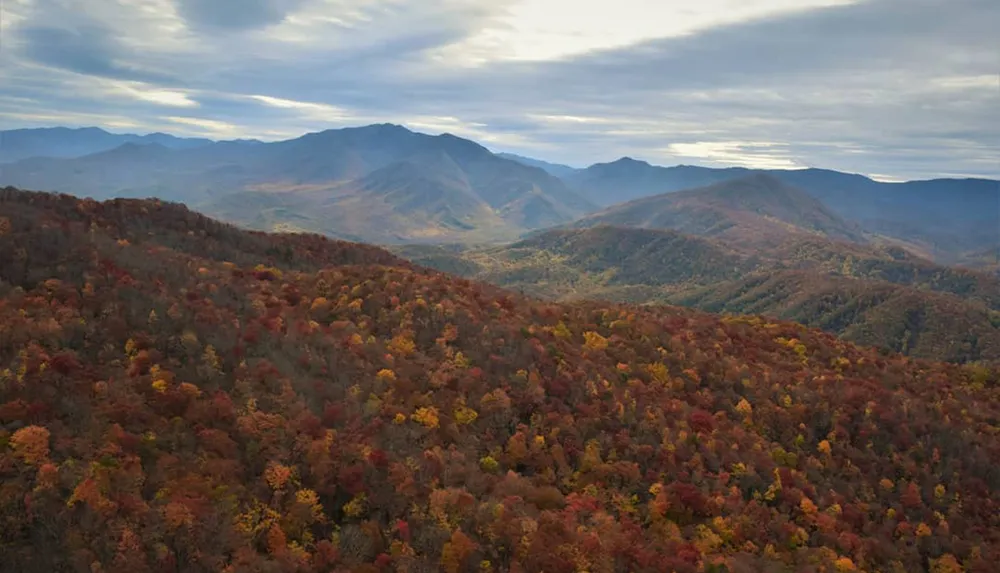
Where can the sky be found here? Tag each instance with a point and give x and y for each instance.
(894, 89)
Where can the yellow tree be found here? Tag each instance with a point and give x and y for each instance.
(31, 444)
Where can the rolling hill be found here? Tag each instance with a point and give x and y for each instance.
(178, 394)
(868, 294)
(381, 183)
(913, 321)
(753, 211)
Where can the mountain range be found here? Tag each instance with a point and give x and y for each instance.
(872, 262)
(17, 144)
(348, 183)
(381, 183)
(942, 218)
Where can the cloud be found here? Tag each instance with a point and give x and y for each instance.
(479, 132)
(143, 92)
(548, 29)
(753, 154)
(900, 88)
(306, 110)
(984, 82)
(235, 14)
(208, 127)
(87, 50)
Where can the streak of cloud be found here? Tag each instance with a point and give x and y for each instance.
(889, 87)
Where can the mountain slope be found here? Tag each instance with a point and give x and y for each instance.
(869, 295)
(561, 264)
(327, 178)
(754, 209)
(308, 405)
(872, 313)
(407, 200)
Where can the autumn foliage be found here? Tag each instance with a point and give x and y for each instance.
(179, 395)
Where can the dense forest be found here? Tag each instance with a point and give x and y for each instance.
(873, 295)
(180, 395)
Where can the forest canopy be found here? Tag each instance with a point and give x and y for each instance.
(180, 395)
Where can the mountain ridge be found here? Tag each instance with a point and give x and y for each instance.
(66, 142)
(295, 180)
(950, 220)
(754, 209)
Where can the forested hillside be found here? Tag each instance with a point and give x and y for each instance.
(869, 294)
(179, 395)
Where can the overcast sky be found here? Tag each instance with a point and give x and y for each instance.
(889, 88)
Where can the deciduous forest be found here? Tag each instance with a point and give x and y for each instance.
(177, 394)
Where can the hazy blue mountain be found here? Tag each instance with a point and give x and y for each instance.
(16, 144)
(941, 218)
(382, 183)
(556, 169)
(626, 179)
(951, 220)
(756, 210)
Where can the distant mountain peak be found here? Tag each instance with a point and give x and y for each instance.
(375, 129)
(757, 185)
(452, 137)
(760, 192)
(389, 127)
(628, 161)
(86, 129)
